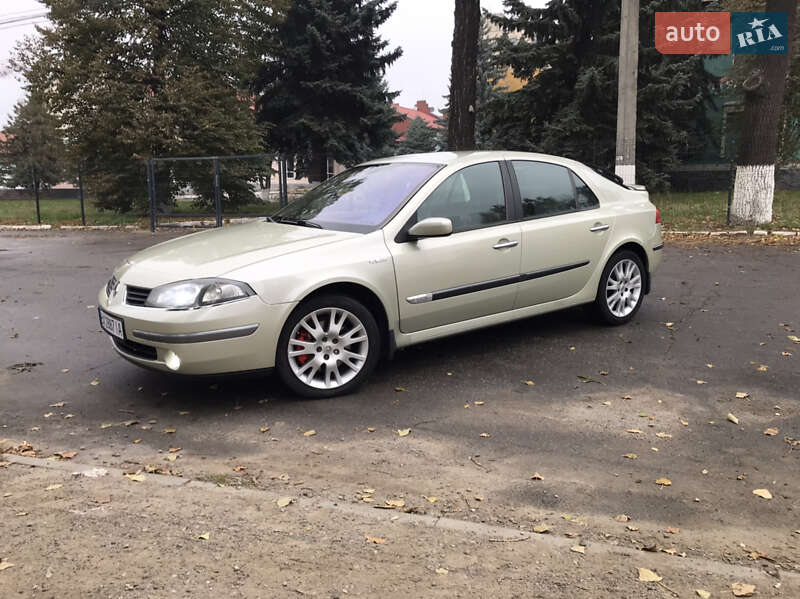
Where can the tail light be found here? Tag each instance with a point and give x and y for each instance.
(658, 216)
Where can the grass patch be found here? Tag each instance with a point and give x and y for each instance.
(708, 210)
(68, 212)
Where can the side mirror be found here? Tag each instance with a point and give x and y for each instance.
(434, 226)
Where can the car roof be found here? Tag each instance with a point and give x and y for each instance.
(471, 157)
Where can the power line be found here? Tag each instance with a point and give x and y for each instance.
(18, 19)
(16, 25)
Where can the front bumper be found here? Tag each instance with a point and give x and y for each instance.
(232, 337)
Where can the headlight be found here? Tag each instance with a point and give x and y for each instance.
(111, 286)
(184, 295)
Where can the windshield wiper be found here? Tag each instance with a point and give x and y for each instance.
(296, 222)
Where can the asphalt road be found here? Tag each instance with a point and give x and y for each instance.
(732, 309)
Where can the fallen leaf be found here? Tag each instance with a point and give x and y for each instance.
(571, 348)
(529, 383)
(284, 501)
(170, 431)
(669, 324)
(709, 366)
(395, 503)
(442, 571)
(21, 514)
(764, 493)
(137, 441)
(672, 531)
(699, 382)
(5, 566)
(741, 589)
(479, 403)
(541, 529)
(239, 468)
(634, 431)
(399, 389)
(478, 498)
(137, 478)
(403, 432)
(130, 422)
(603, 373)
(632, 528)
(431, 499)
(742, 395)
(663, 435)
(771, 432)
(174, 449)
(537, 476)
(786, 354)
(467, 406)
(702, 594)
(794, 338)
(184, 413)
(484, 435)
(732, 418)
(310, 433)
(664, 481)
(94, 383)
(106, 425)
(172, 457)
(684, 423)
(622, 518)
(646, 575)
(606, 403)
(58, 404)
(762, 368)
(53, 487)
(67, 455)
(578, 549)
(64, 370)
(375, 540)
(205, 536)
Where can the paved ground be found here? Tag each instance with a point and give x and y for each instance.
(478, 434)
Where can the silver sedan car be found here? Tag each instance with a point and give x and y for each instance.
(390, 253)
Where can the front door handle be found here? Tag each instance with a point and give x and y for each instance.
(504, 244)
(599, 227)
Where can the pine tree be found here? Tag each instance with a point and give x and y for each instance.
(132, 79)
(33, 153)
(419, 138)
(321, 92)
(568, 54)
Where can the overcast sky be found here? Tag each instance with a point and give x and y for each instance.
(423, 28)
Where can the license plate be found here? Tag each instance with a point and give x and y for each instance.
(112, 326)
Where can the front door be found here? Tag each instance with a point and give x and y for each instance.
(471, 273)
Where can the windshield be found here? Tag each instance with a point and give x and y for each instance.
(359, 199)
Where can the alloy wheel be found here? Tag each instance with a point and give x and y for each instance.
(623, 288)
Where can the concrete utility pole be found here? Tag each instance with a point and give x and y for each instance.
(625, 163)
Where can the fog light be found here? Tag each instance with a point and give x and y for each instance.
(172, 360)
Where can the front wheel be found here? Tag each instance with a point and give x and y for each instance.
(328, 346)
(621, 289)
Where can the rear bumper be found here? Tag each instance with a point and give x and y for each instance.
(234, 337)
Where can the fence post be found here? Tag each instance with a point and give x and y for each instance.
(80, 192)
(217, 193)
(151, 194)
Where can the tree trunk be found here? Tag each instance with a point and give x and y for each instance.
(464, 76)
(754, 187)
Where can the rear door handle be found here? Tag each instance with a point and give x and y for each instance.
(504, 244)
(599, 227)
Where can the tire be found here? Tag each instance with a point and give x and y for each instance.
(328, 346)
(624, 268)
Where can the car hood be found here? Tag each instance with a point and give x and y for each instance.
(218, 251)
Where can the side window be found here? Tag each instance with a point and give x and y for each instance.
(471, 198)
(584, 195)
(546, 189)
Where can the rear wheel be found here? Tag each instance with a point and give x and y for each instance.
(621, 289)
(328, 346)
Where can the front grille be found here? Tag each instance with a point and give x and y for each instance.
(136, 349)
(136, 296)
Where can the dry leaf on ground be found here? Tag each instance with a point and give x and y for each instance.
(310, 433)
(53, 487)
(67, 455)
(630, 456)
(137, 478)
(646, 575)
(634, 431)
(205, 536)
(663, 435)
(664, 481)
(537, 476)
(375, 540)
(702, 594)
(284, 501)
(5, 565)
(403, 432)
(578, 549)
(442, 571)
(541, 529)
(622, 518)
(763, 493)
(732, 418)
(742, 395)
(771, 432)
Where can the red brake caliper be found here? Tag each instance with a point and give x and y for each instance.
(302, 336)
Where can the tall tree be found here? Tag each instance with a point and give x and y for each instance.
(754, 186)
(321, 91)
(32, 154)
(132, 79)
(567, 53)
(464, 76)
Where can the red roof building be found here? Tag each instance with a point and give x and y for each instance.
(422, 111)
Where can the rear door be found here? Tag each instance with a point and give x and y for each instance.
(474, 271)
(564, 231)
